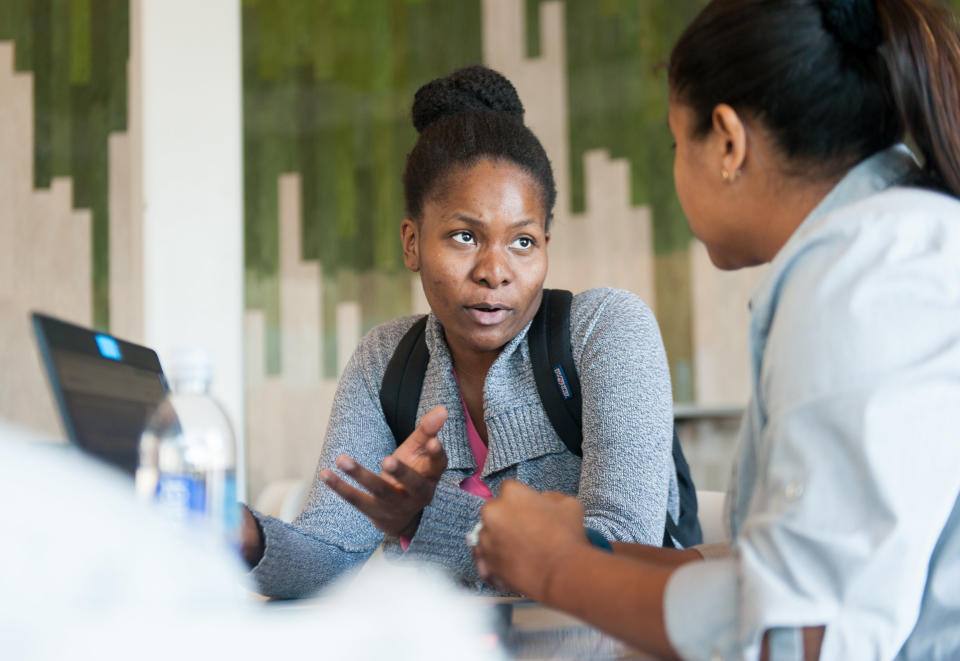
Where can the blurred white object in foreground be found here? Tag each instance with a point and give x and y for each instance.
(89, 572)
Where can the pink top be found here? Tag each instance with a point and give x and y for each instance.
(472, 484)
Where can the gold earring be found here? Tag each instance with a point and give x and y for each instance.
(724, 174)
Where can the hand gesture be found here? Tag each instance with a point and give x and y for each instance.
(525, 537)
(395, 499)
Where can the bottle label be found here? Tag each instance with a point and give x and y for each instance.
(182, 494)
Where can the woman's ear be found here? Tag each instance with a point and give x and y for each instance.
(731, 131)
(410, 240)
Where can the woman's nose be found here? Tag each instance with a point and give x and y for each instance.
(492, 268)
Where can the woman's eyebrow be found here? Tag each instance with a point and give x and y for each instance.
(469, 220)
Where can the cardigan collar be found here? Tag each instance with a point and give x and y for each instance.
(517, 428)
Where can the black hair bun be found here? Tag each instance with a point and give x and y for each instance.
(853, 22)
(471, 88)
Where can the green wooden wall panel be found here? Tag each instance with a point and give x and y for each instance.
(78, 16)
(327, 92)
(77, 51)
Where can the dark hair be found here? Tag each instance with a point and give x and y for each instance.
(833, 80)
(470, 114)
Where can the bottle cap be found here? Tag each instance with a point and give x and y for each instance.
(192, 365)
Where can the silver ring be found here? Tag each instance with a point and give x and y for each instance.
(473, 537)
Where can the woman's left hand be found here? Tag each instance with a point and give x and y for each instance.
(394, 500)
(526, 537)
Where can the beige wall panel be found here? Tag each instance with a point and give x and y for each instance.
(126, 205)
(348, 332)
(16, 159)
(306, 414)
(255, 341)
(721, 322)
(126, 246)
(288, 426)
(611, 244)
(264, 419)
(300, 312)
(45, 250)
(541, 81)
(287, 413)
(266, 438)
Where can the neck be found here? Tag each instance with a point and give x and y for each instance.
(785, 208)
(472, 366)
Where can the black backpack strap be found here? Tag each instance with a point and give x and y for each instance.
(559, 386)
(403, 381)
(554, 369)
(686, 529)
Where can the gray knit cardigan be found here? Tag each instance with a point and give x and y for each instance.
(626, 479)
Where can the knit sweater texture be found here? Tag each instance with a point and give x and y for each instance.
(626, 479)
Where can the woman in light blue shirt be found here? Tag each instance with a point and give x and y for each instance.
(843, 510)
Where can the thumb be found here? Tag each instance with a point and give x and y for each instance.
(432, 421)
(429, 426)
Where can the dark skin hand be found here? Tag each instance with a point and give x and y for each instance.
(530, 541)
(394, 500)
(251, 539)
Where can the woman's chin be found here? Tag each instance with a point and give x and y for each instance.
(490, 340)
(725, 261)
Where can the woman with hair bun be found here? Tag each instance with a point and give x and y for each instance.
(479, 195)
(843, 511)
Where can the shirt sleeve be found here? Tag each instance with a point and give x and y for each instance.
(627, 468)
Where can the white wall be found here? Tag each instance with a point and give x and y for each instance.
(192, 186)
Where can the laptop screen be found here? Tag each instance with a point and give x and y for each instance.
(105, 388)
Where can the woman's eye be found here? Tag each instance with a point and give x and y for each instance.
(523, 243)
(463, 237)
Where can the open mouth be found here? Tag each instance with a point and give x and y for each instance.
(487, 314)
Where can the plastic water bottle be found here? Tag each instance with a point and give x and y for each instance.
(188, 452)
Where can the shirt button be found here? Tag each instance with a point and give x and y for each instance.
(793, 491)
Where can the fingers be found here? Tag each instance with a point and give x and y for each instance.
(368, 480)
(515, 489)
(481, 564)
(429, 462)
(359, 499)
(412, 481)
(483, 567)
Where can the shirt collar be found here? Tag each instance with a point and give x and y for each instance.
(438, 348)
(444, 391)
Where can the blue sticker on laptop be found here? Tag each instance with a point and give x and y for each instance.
(109, 348)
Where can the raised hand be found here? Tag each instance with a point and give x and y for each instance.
(394, 500)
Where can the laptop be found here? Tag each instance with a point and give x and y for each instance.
(105, 388)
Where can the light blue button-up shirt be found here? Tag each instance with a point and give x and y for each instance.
(844, 502)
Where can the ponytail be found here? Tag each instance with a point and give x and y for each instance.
(922, 53)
